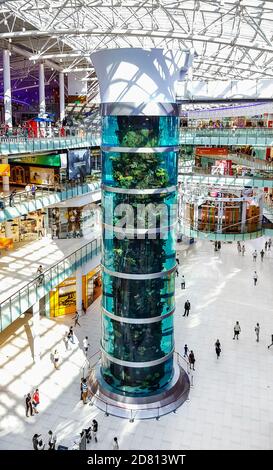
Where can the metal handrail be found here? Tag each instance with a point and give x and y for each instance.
(88, 361)
(46, 281)
(42, 190)
(227, 131)
(224, 228)
(133, 412)
(22, 134)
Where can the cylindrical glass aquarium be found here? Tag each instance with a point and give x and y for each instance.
(139, 210)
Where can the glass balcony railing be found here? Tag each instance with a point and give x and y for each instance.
(17, 145)
(206, 178)
(214, 236)
(22, 202)
(245, 136)
(27, 296)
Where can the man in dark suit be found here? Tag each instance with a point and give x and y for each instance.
(187, 308)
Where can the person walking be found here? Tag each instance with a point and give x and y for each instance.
(186, 349)
(187, 308)
(269, 243)
(84, 391)
(215, 246)
(85, 345)
(176, 271)
(254, 255)
(70, 335)
(40, 275)
(33, 191)
(255, 278)
(177, 260)
(35, 441)
(218, 348)
(239, 247)
(191, 360)
(257, 331)
(183, 284)
(52, 441)
(265, 246)
(262, 255)
(219, 246)
(11, 198)
(83, 308)
(40, 445)
(237, 330)
(36, 400)
(76, 318)
(243, 250)
(56, 359)
(29, 405)
(94, 429)
(66, 342)
(115, 445)
(27, 190)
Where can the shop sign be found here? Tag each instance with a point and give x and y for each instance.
(4, 169)
(44, 160)
(211, 151)
(39, 175)
(6, 243)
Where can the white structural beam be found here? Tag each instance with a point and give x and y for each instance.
(226, 89)
(7, 88)
(173, 34)
(62, 96)
(42, 103)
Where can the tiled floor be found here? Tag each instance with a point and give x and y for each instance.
(231, 402)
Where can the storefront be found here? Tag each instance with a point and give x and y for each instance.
(26, 228)
(72, 222)
(222, 210)
(38, 169)
(63, 298)
(92, 286)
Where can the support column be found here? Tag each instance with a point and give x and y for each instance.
(7, 89)
(8, 230)
(220, 217)
(79, 290)
(42, 106)
(36, 332)
(243, 217)
(5, 179)
(62, 97)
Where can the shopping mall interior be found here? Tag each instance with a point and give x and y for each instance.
(136, 225)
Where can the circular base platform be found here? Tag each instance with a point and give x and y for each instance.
(152, 406)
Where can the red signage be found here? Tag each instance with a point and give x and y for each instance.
(211, 151)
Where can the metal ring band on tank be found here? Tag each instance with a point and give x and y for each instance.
(110, 148)
(139, 231)
(119, 362)
(137, 321)
(112, 189)
(138, 277)
(142, 109)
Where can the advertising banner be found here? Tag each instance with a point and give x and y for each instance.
(211, 151)
(4, 169)
(44, 160)
(6, 243)
(78, 163)
(39, 175)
